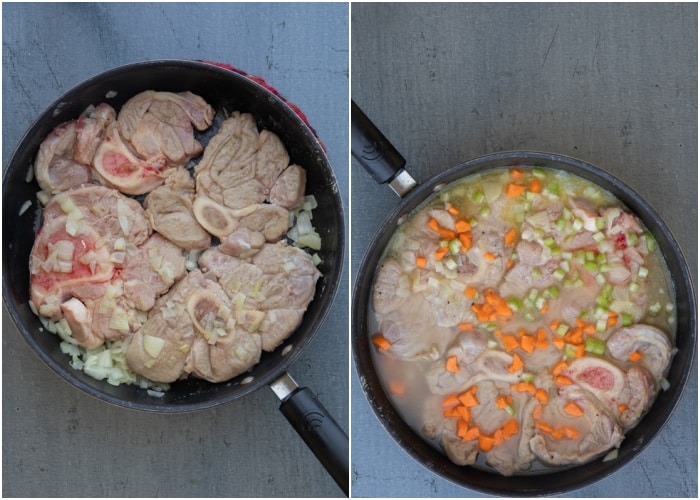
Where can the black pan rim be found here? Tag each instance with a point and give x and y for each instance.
(414, 445)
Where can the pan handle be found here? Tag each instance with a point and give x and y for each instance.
(316, 426)
(377, 155)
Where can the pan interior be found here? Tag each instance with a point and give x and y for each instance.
(557, 481)
(225, 91)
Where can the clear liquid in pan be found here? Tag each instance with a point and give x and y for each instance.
(565, 257)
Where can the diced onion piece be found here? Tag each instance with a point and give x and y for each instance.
(67, 205)
(311, 240)
(74, 224)
(117, 257)
(25, 206)
(153, 345)
(43, 197)
(119, 319)
(611, 456)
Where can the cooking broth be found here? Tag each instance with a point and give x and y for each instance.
(522, 319)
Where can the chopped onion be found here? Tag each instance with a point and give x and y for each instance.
(311, 240)
(304, 223)
(153, 345)
(25, 206)
(119, 320)
(611, 456)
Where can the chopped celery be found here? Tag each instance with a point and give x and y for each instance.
(455, 246)
(591, 267)
(510, 410)
(562, 329)
(477, 197)
(569, 351)
(643, 272)
(595, 346)
(651, 242)
(559, 274)
(514, 303)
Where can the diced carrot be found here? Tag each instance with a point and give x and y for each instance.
(535, 186)
(447, 234)
(472, 434)
(510, 343)
(571, 433)
(451, 412)
(574, 336)
(397, 388)
(464, 412)
(563, 380)
(612, 319)
(489, 256)
(517, 173)
(554, 324)
(573, 409)
(541, 341)
(544, 308)
(579, 351)
(537, 412)
(527, 342)
(514, 190)
(470, 292)
(510, 428)
(589, 329)
(558, 433)
(466, 240)
(451, 365)
(462, 428)
(559, 367)
(381, 342)
(503, 401)
(421, 262)
(509, 237)
(558, 342)
(621, 407)
(441, 252)
(541, 395)
(450, 401)
(465, 327)
(453, 210)
(433, 224)
(516, 365)
(510, 263)
(635, 356)
(524, 387)
(468, 399)
(462, 226)
(498, 437)
(486, 442)
(544, 427)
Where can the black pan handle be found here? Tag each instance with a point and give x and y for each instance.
(376, 154)
(316, 426)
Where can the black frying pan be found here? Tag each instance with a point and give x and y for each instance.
(374, 152)
(225, 89)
